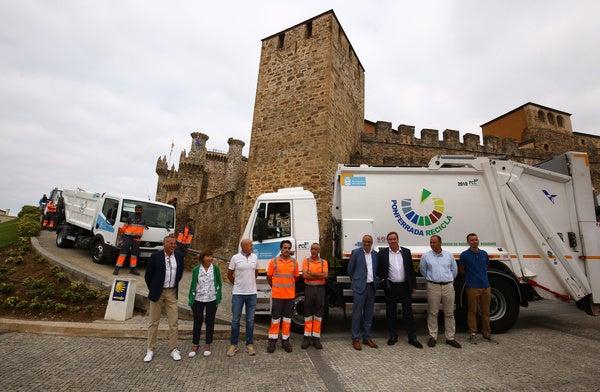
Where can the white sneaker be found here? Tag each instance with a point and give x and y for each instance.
(176, 355)
(207, 353)
(192, 354)
(149, 356)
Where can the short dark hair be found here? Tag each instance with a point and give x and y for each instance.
(138, 206)
(390, 233)
(471, 234)
(285, 242)
(204, 253)
(437, 236)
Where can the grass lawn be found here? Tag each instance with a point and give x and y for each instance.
(8, 232)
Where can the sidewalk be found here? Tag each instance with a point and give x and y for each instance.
(78, 265)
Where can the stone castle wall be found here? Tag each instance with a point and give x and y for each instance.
(383, 145)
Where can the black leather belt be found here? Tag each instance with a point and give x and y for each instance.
(440, 283)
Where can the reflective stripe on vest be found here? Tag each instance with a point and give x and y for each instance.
(283, 284)
(133, 230)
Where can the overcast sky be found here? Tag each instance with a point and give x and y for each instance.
(93, 92)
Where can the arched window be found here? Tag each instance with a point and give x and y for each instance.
(541, 116)
(551, 118)
(559, 121)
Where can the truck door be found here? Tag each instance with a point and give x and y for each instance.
(272, 225)
(105, 221)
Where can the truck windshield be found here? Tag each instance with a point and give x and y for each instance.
(155, 215)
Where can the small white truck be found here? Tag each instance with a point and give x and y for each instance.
(94, 221)
(537, 223)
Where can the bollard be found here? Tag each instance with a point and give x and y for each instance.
(121, 300)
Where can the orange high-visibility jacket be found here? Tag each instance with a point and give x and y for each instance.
(134, 227)
(317, 266)
(50, 207)
(283, 274)
(186, 235)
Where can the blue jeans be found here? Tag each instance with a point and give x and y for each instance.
(237, 302)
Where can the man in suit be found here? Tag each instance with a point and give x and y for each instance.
(362, 269)
(399, 283)
(164, 270)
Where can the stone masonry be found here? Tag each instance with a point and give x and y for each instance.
(309, 117)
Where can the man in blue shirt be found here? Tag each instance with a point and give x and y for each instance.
(439, 268)
(473, 264)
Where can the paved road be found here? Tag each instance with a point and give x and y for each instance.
(553, 347)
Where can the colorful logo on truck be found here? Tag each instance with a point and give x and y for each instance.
(425, 219)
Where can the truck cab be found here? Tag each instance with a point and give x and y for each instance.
(95, 221)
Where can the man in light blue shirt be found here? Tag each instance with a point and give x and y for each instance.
(439, 268)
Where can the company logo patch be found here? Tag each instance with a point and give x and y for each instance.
(426, 219)
(549, 196)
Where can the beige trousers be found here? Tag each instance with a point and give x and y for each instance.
(444, 294)
(169, 302)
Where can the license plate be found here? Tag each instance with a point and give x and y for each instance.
(145, 254)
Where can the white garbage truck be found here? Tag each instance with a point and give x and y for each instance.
(95, 221)
(537, 223)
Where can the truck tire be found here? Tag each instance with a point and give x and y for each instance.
(504, 307)
(100, 252)
(298, 314)
(62, 241)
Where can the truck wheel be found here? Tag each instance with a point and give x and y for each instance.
(99, 252)
(298, 314)
(62, 241)
(504, 307)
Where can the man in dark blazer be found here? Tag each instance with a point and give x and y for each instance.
(164, 270)
(362, 269)
(399, 283)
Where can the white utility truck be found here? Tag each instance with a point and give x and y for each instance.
(537, 223)
(95, 221)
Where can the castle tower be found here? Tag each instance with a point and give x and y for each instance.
(235, 174)
(308, 113)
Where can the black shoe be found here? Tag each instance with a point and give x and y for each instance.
(453, 343)
(286, 346)
(305, 343)
(431, 342)
(317, 344)
(116, 271)
(392, 340)
(416, 343)
(134, 271)
(271, 347)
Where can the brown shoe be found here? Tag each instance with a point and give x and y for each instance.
(305, 343)
(356, 345)
(287, 346)
(317, 344)
(453, 343)
(370, 343)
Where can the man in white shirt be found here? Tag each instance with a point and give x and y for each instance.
(242, 272)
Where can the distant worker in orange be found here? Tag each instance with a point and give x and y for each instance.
(49, 216)
(133, 229)
(281, 276)
(185, 236)
(314, 272)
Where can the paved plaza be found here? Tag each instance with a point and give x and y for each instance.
(553, 347)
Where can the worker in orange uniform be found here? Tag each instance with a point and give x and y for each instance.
(282, 274)
(185, 236)
(133, 229)
(49, 216)
(314, 272)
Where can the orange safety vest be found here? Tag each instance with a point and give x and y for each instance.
(318, 266)
(283, 274)
(134, 227)
(50, 208)
(186, 237)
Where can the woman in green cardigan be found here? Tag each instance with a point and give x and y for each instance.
(205, 294)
